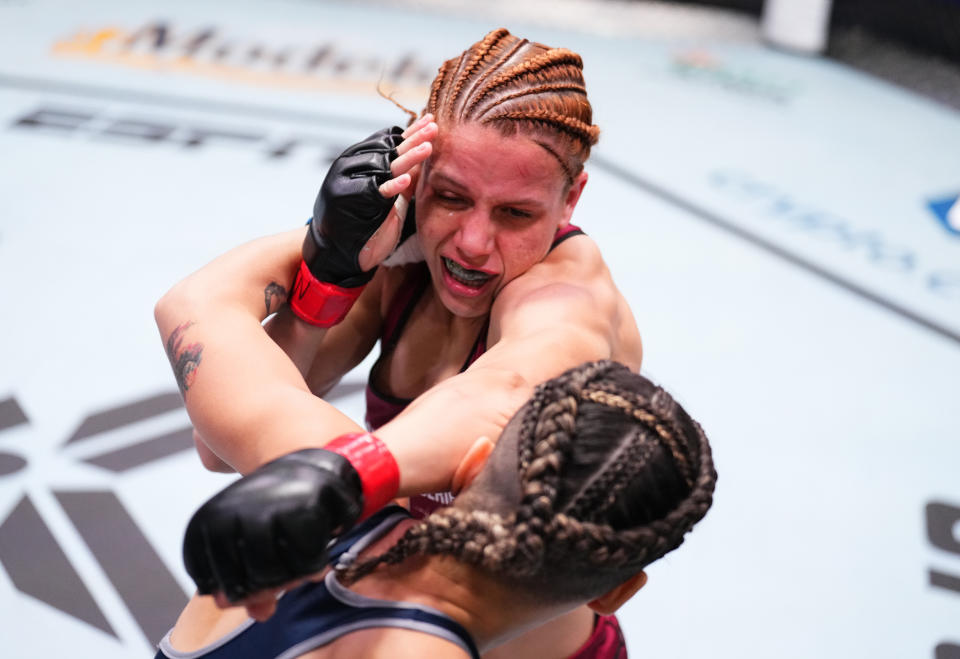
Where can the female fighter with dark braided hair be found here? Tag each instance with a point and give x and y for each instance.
(598, 475)
(499, 292)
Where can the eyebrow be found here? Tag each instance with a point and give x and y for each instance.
(438, 177)
(443, 178)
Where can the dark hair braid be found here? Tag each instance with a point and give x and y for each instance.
(612, 474)
(601, 491)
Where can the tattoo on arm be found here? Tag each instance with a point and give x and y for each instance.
(183, 359)
(274, 291)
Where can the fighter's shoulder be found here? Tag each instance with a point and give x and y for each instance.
(573, 269)
(577, 259)
(578, 246)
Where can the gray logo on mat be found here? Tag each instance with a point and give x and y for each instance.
(37, 564)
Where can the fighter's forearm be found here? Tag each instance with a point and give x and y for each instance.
(247, 399)
(431, 436)
(299, 340)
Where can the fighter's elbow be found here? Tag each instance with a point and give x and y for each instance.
(210, 460)
(171, 306)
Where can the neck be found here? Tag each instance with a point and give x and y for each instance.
(487, 609)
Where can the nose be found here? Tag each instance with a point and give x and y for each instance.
(476, 234)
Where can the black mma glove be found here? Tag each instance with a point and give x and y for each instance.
(348, 211)
(273, 526)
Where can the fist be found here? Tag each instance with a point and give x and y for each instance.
(350, 208)
(272, 526)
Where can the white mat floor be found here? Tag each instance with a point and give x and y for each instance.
(779, 225)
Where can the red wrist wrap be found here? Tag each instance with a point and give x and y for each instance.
(318, 302)
(378, 470)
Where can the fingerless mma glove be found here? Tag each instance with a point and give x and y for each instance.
(273, 526)
(348, 211)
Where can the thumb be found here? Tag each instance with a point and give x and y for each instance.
(385, 238)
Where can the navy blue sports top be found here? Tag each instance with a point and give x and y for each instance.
(316, 614)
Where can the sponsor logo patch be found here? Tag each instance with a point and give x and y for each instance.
(947, 211)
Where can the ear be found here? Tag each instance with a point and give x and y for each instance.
(471, 464)
(612, 600)
(573, 196)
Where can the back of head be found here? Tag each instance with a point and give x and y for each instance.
(515, 85)
(598, 475)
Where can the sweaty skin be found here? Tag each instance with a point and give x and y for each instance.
(487, 210)
(488, 609)
(251, 402)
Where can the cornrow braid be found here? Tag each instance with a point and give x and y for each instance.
(546, 88)
(611, 474)
(555, 57)
(438, 84)
(661, 421)
(540, 475)
(514, 85)
(571, 125)
(638, 546)
(477, 538)
(605, 486)
(482, 51)
(645, 543)
(507, 54)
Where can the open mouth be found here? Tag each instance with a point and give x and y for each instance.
(466, 276)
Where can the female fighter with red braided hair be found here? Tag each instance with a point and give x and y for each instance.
(506, 293)
(597, 476)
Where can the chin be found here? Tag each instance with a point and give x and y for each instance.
(465, 309)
